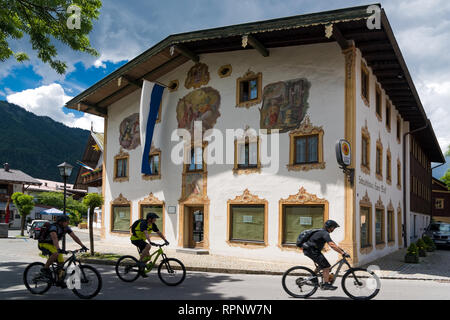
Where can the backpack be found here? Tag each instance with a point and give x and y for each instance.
(134, 225)
(44, 231)
(304, 236)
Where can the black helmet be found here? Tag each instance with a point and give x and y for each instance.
(331, 224)
(62, 218)
(151, 215)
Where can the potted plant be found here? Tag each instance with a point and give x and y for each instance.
(430, 246)
(412, 254)
(422, 248)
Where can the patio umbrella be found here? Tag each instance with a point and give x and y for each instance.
(7, 213)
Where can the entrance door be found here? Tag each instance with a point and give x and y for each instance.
(196, 221)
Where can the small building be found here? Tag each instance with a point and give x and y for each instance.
(440, 200)
(55, 186)
(11, 181)
(312, 78)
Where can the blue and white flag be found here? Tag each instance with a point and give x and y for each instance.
(151, 96)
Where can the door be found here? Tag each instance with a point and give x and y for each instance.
(196, 221)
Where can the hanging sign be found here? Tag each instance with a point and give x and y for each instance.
(343, 153)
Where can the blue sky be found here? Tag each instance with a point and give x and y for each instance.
(125, 29)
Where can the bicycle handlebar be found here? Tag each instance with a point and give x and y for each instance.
(158, 245)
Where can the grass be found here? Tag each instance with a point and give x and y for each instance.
(101, 256)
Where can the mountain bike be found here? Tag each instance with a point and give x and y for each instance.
(86, 285)
(357, 283)
(171, 271)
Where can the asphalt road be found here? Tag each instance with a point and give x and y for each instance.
(15, 254)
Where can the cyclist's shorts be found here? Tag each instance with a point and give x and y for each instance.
(317, 256)
(49, 249)
(141, 244)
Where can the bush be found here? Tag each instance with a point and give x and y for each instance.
(429, 243)
(74, 218)
(422, 248)
(413, 250)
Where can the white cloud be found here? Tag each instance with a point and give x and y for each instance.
(49, 101)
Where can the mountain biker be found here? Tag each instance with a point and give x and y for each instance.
(49, 243)
(313, 247)
(141, 230)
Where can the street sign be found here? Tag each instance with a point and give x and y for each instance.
(343, 153)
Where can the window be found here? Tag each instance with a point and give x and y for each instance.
(158, 209)
(378, 103)
(154, 160)
(388, 116)
(365, 146)
(121, 169)
(399, 130)
(196, 163)
(158, 119)
(247, 155)
(297, 218)
(247, 223)
(365, 84)
(365, 227)
(3, 189)
(379, 162)
(388, 167)
(365, 150)
(399, 174)
(306, 147)
(249, 90)
(391, 226)
(120, 218)
(379, 226)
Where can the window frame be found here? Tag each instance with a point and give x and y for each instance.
(378, 103)
(152, 200)
(399, 129)
(379, 160)
(249, 76)
(121, 156)
(441, 201)
(366, 249)
(379, 206)
(366, 84)
(388, 167)
(120, 201)
(240, 168)
(388, 109)
(365, 135)
(152, 153)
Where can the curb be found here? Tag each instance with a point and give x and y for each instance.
(254, 272)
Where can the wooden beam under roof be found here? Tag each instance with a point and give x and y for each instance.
(187, 52)
(340, 39)
(94, 108)
(257, 45)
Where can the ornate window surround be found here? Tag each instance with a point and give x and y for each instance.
(380, 206)
(391, 210)
(379, 146)
(388, 166)
(365, 134)
(365, 70)
(153, 201)
(306, 128)
(120, 201)
(120, 156)
(387, 107)
(222, 68)
(257, 169)
(173, 85)
(247, 198)
(365, 203)
(302, 197)
(399, 225)
(380, 94)
(249, 75)
(399, 129)
(149, 177)
(399, 174)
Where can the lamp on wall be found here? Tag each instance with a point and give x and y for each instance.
(65, 170)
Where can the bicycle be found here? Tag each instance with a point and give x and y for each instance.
(127, 268)
(302, 282)
(90, 282)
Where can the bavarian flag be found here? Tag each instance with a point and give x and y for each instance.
(151, 97)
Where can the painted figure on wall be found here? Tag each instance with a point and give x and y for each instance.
(284, 104)
(194, 184)
(129, 132)
(197, 76)
(199, 105)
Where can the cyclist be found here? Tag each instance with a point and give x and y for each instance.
(313, 247)
(141, 230)
(49, 243)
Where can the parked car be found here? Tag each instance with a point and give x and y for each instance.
(35, 228)
(439, 232)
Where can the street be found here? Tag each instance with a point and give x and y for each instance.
(16, 253)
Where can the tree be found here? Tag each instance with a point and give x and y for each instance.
(56, 200)
(24, 204)
(448, 151)
(446, 178)
(67, 21)
(92, 200)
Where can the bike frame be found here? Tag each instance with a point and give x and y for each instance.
(340, 263)
(149, 263)
(56, 267)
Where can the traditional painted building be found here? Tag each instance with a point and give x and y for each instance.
(315, 78)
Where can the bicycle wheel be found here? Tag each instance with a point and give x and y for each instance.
(127, 268)
(300, 282)
(90, 283)
(171, 272)
(361, 284)
(33, 279)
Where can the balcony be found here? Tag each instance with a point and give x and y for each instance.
(92, 178)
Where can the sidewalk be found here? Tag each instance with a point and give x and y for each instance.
(436, 266)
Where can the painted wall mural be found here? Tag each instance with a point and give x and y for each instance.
(199, 105)
(284, 104)
(197, 76)
(129, 132)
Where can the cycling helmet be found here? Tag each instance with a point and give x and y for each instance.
(62, 218)
(331, 224)
(151, 215)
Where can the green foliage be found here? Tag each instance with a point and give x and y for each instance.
(75, 218)
(37, 145)
(93, 200)
(446, 178)
(448, 151)
(44, 21)
(421, 244)
(23, 202)
(413, 250)
(56, 200)
(429, 243)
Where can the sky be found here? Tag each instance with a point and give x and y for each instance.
(123, 31)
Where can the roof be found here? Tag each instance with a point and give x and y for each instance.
(438, 182)
(379, 48)
(17, 176)
(99, 138)
(91, 156)
(52, 186)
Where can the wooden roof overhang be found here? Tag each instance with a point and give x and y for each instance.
(378, 47)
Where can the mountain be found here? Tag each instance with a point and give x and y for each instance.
(37, 145)
(440, 171)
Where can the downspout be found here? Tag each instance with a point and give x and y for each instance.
(404, 179)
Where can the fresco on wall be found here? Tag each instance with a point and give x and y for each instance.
(129, 132)
(193, 184)
(284, 104)
(197, 76)
(199, 105)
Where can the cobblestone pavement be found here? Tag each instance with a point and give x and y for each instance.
(436, 266)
